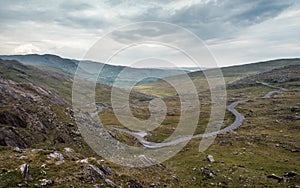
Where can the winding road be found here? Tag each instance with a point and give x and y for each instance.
(239, 119)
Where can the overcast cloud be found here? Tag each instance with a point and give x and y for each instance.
(235, 31)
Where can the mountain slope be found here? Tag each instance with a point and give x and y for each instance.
(108, 74)
(230, 75)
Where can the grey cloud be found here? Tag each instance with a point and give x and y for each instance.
(261, 11)
(221, 19)
(143, 31)
(75, 6)
(58, 13)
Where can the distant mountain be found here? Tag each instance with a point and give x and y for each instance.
(230, 74)
(108, 74)
(186, 69)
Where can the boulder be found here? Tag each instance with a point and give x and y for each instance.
(274, 176)
(18, 150)
(208, 173)
(93, 172)
(25, 172)
(290, 174)
(110, 183)
(45, 182)
(56, 155)
(210, 158)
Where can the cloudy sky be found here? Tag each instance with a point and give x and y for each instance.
(235, 31)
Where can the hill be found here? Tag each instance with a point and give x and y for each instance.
(230, 74)
(108, 74)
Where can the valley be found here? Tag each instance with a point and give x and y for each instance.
(257, 145)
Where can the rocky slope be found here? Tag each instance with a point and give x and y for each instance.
(30, 115)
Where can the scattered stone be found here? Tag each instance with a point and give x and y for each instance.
(56, 155)
(207, 172)
(295, 109)
(135, 184)
(174, 177)
(68, 150)
(58, 163)
(18, 150)
(43, 172)
(76, 133)
(105, 169)
(290, 174)
(235, 153)
(110, 183)
(23, 157)
(274, 176)
(210, 158)
(24, 168)
(36, 150)
(45, 182)
(94, 172)
(86, 161)
(3, 170)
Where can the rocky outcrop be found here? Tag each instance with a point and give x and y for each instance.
(31, 115)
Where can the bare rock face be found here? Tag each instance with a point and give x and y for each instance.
(31, 115)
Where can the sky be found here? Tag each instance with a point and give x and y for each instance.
(234, 31)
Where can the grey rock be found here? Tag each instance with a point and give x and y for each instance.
(110, 183)
(295, 109)
(210, 158)
(274, 176)
(56, 155)
(290, 174)
(45, 182)
(93, 173)
(18, 150)
(68, 150)
(208, 173)
(23, 157)
(36, 150)
(25, 172)
(105, 169)
(135, 184)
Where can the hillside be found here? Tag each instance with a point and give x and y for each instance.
(39, 133)
(230, 75)
(107, 76)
